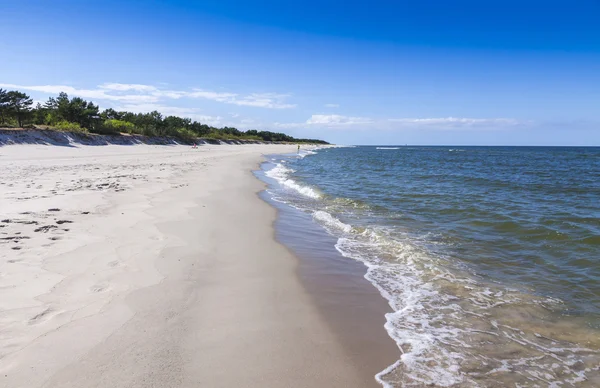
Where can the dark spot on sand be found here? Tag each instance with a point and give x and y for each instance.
(45, 228)
(27, 222)
(7, 221)
(54, 238)
(85, 212)
(60, 222)
(40, 315)
(15, 238)
(54, 209)
(16, 248)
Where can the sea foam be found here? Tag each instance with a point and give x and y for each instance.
(281, 174)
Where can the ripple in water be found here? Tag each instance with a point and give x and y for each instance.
(491, 271)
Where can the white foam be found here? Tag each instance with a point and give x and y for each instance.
(331, 222)
(412, 324)
(304, 153)
(281, 174)
(388, 148)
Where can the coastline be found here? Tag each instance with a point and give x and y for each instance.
(351, 306)
(145, 286)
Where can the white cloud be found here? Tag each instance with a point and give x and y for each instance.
(444, 123)
(327, 121)
(125, 87)
(97, 94)
(166, 110)
(148, 93)
(335, 120)
(260, 100)
(455, 121)
(332, 105)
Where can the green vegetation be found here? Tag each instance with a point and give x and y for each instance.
(66, 126)
(77, 115)
(15, 105)
(117, 126)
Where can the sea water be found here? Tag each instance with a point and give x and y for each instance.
(488, 256)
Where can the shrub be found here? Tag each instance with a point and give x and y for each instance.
(215, 135)
(114, 126)
(185, 134)
(69, 127)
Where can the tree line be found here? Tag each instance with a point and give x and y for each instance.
(78, 115)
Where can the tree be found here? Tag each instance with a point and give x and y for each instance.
(3, 105)
(111, 114)
(19, 104)
(39, 114)
(77, 114)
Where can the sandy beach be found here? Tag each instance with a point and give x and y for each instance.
(153, 266)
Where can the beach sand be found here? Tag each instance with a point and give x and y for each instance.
(156, 266)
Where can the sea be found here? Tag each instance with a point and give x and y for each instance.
(489, 257)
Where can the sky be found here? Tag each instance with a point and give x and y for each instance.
(350, 72)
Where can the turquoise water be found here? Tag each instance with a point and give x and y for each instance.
(489, 256)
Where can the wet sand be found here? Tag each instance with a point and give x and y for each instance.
(350, 304)
(156, 266)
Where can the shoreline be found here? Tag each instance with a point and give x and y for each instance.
(349, 303)
(144, 287)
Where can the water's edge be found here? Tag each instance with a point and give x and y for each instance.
(350, 305)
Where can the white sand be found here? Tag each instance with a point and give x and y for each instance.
(173, 278)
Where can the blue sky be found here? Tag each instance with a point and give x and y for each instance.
(376, 72)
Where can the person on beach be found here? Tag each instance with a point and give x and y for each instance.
(298, 148)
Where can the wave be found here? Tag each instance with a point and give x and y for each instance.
(388, 148)
(444, 320)
(411, 324)
(331, 221)
(304, 153)
(281, 174)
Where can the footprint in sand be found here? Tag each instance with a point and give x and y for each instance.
(45, 228)
(15, 238)
(98, 288)
(40, 317)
